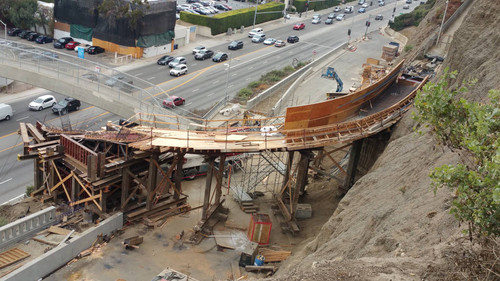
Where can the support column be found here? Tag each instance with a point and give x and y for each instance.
(178, 173)
(38, 175)
(125, 186)
(220, 172)
(354, 155)
(74, 185)
(302, 172)
(289, 164)
(152, 179)
(208, 186)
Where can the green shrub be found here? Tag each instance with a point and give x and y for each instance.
(3, 221)
(245, 93)
(288, 69)
(29, 190)
(408, 48)
(253, 84)
(300, 5)
(412, 18)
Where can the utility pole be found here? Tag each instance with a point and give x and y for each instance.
(367, 23)
(5, 29)
(255, 14)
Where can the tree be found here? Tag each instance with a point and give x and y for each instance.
(4, 10)
(21, 13)
(474, 129)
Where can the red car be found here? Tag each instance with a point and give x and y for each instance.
(71, 45)
(299, 26)
(173, 101)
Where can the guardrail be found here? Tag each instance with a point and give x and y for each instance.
(89, 75)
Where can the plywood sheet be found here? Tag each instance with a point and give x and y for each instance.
(12, 256)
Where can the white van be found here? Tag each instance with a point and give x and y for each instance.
(5, 111)
(348, 9)
(255, 31)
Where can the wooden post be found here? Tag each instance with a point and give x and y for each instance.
(125, 186)
(74, 194)
(208, 186)
(289, 164)
(354, 155)
(102, 202)
(178, 173)
(152, 178)
(38, 175)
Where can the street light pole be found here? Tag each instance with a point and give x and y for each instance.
(5, 29)
(442, 22)
(255, 14)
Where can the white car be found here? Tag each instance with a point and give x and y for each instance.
(84, 47)
(198, 48)
(179, 70)
(255, 31)
(365, 5)
(316, 20)
(336, 10)
(381, 3)
(340, 17)
(269, 41)
(177, 61)
(42, 102)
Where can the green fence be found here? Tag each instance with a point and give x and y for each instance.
(220, 23)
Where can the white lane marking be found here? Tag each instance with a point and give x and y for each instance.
(230, 86)
(210, 94)
(234, 74)
(193, 64)
(195, 90)
(160, 68)
(248, 79)
(188, 103)
(22, 118)
(150, 78)
(251, 67)
(215, 82)
(6, 181)
(13, 200)
(139, 74)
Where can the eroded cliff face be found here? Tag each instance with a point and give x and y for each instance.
(391, 225)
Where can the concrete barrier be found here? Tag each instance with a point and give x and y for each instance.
(27, 226)
(260, 97)
(60, 255)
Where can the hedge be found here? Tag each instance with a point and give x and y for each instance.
(413, 18)
(314, 5)
(220, 23)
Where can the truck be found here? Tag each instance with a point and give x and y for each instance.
(195, 166)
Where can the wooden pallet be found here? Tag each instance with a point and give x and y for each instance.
(12, 256)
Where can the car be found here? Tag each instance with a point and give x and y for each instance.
(32, 36)
(192, 11)
(279, 43)
(184, 7)
(406, 6)
(328, 21)
(42, 102)
(332, 15)
(340, 17)
(362, 10)
(235, 45)
(317, 16)
(61, 42)
(46, 56)
(227, 6)
(165, 60)
(408, 2)
(257, 38)
(94, 50)
(23, 34)
(84, 47)
(179, 70)
(292, 39)
(381, 3)
(269, 41)
(336, 10)
(198, 48)
(205, 54)
(299, 26)
(348, 9)
(365, 5)
(221, 7)
(379, 17)
(173, 101)
(5, 111)
(66, 105)
(44, 39)
(361, 2)
(219, 57)
(14, 31)
(316, 20)
(71, 45)
(255, 31)
(176, 61)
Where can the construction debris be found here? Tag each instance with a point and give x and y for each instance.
(12, 256)
(132, 242)
(252, 268)
(274, 256)
(172, 275)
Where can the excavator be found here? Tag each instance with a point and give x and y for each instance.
(331, 73)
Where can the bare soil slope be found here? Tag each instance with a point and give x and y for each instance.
(390, 225)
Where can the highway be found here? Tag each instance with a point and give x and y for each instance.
(204, 84)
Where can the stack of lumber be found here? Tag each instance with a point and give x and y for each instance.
(389, 52)
(159, 218)
(274, 255)
(249, 207)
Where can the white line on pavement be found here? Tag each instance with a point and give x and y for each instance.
(215, 82)
(210, 94)
(195, 90)
(22, 118)
(6, 181)
(150, 78)
(138, 74)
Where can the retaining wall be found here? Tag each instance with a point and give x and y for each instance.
(27, 226)
(60, 255)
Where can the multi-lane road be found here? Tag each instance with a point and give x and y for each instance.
(206, 82)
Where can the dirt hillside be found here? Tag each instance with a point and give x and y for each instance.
(390, 225)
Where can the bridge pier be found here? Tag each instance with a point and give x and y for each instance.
(352, 165)
(208, 186)
(301, 180)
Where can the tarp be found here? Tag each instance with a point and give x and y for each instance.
(156, 40)
(83, 12)
(80, 31)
